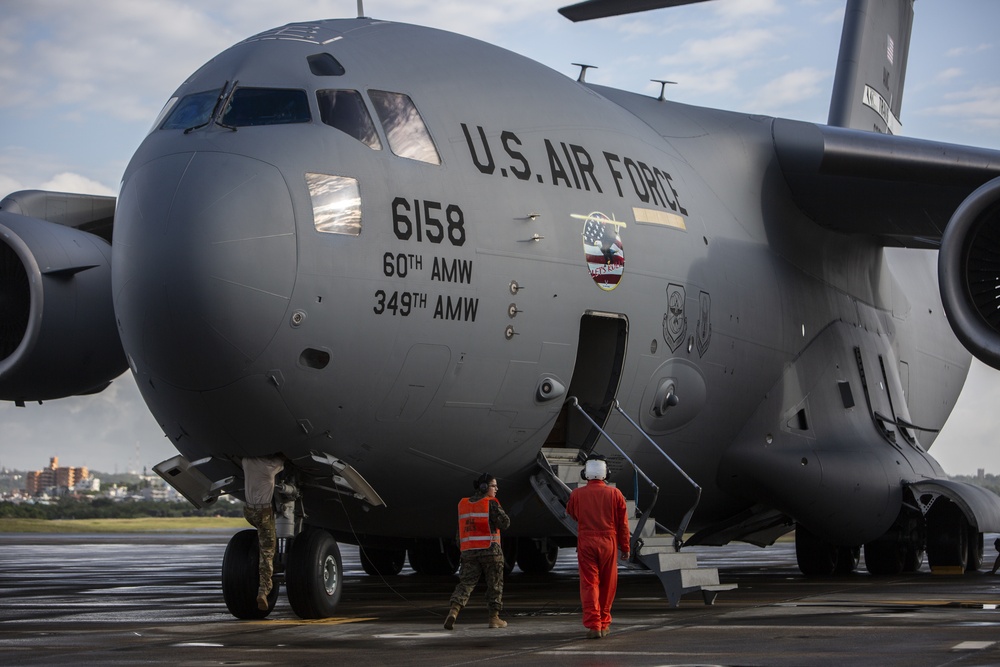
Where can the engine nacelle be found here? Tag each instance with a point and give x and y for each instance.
(969, 273)
(58, 335)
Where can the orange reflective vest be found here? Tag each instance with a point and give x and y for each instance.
(474, 524)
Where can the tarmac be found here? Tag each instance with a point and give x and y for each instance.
(157, 600)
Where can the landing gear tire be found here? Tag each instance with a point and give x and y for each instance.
(848, 559)
(434, 557)
(947, 536)
(382, 562)
(975, 559)
(914, 559)
(240, 578)
(314, 575)
(886, 557)
(536, 556)
(509, 548)
(815, 556)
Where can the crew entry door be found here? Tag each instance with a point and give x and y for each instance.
(600, 358)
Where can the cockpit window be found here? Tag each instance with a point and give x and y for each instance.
(266, 106)
(404, 128)
(193, 109)
(346, 111)
(323, 64)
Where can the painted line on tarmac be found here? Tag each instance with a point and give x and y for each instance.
(972, 646)
(312, 621)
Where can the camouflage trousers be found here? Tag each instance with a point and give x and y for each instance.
(262, 518)
(487, 563)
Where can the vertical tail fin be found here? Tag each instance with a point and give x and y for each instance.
(871, 67)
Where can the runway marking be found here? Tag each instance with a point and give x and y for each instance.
(620, 653)
(317, 621)
(414, 635)
(199, 645)
(972, 646)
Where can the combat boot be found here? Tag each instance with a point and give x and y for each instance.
(496, 621)
(449, 622)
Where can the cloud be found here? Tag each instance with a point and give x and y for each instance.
(740, 10)
(978, 106)
(8, 185)
(67, 182)
(789, 89)
(727, 48)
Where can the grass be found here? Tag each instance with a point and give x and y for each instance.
(142, 525)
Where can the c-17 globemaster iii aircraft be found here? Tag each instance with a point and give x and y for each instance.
(401, 257)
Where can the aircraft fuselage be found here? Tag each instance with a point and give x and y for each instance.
(394, 291)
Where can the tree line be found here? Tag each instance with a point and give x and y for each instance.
(106, 508)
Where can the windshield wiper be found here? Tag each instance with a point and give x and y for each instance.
(222, 95)
(222, 108)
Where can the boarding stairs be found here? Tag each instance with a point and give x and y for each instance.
(652, 547)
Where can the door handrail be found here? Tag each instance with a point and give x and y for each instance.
(682, 528)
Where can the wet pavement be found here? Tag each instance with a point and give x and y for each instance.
(157, 599)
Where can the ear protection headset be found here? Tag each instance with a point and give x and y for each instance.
(482, 482)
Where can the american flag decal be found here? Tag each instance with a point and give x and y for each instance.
(888, 48)
(602, 247)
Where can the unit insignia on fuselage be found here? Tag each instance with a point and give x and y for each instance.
(602, 248)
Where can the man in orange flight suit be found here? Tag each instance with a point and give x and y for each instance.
(602, 522)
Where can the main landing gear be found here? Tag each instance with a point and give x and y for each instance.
(307, 561)
(310, 567)
(942, 531)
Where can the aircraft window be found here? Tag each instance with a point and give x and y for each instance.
(323, 64)
(336, 202)
(193, 109)
(266, 106)
(404, 128)
(167, 108)
(346, 111)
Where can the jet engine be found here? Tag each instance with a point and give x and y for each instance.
(969, 272)
(58, 335)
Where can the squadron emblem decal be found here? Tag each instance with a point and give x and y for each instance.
(675, 322)
(704, 325)
(602, 248)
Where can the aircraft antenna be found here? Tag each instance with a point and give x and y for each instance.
(663, 88)
(583, 71)
(361, 9)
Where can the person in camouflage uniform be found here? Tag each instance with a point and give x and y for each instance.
(479, 539)
(258, 478)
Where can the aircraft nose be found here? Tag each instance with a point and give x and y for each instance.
(204, 262)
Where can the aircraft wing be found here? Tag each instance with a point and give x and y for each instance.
(900, 189)
(598, 9)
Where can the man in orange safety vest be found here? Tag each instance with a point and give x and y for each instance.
(480, 520)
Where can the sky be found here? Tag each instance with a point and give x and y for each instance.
(81, 82)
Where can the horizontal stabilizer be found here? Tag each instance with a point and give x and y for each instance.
(598, 9)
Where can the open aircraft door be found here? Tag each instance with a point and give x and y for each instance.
(600, 357)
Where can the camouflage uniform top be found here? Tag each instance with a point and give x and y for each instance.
(498, 521)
